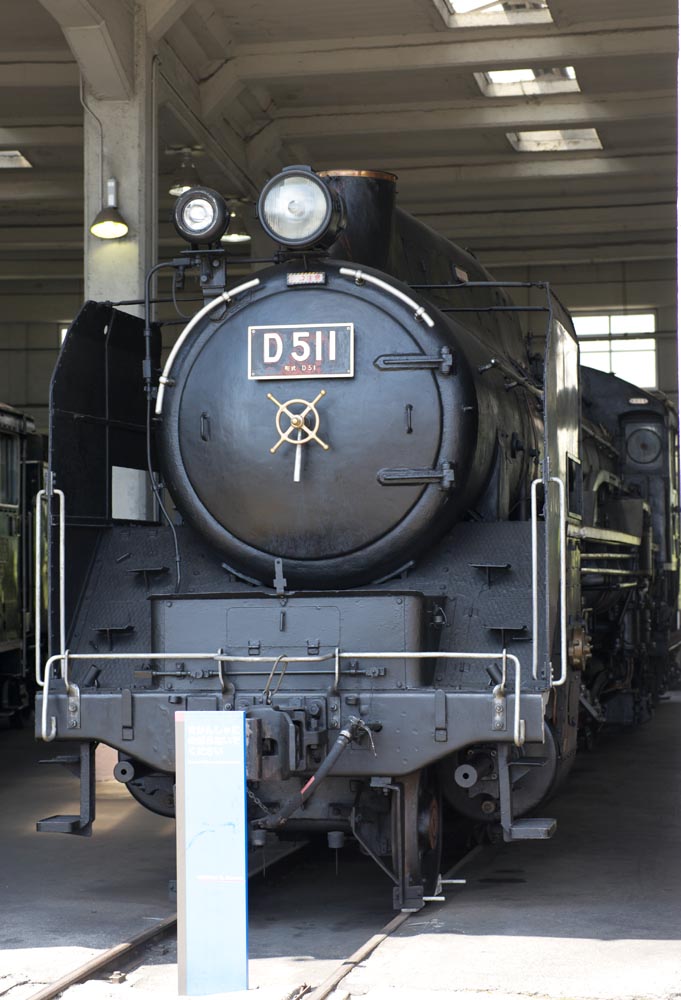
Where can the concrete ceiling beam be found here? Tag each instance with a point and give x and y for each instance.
(42, 269)
(47, 73)
(545, 112)
(55, 185)
(554, 221)
(592, 253)
(19, 136)
(43, 237)
(420, 175)
(100, 33)
(163, 14)
(342, 57)
(523, 199)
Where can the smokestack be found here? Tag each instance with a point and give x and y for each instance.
(369, 198)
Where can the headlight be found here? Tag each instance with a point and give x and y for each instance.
(201, 215)
(297, 208)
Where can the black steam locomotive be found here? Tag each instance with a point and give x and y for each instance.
(21, 464)
(357, 505)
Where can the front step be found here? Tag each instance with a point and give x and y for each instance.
(60, 824)
(517, 829)
(531, 829)
(83, 766)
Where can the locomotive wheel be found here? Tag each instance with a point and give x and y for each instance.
(154, 792)
(417, 816)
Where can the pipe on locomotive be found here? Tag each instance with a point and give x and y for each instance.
(297, 209)
(342, 742)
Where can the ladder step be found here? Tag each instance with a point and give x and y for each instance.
(533, 829)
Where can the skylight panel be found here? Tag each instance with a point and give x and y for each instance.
(510, 75)
(525, 81)
(474, 13)
(494, 6)
(555, 140)
(467, 6)
(13, 159)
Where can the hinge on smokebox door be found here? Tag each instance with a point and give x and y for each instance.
(444, 361)
(444, 476)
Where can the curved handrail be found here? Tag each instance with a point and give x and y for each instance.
(219, 300)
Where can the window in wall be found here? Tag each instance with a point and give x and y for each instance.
(616, 342)
(63, 330)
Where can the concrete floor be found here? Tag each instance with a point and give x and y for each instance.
(66, 898)
(594, 914)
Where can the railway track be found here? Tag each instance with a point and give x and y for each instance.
(117, 962)
(106, 960)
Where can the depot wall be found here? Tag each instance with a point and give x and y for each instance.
(616, 286)
(31, 314)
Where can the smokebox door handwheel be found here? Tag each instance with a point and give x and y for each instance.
(304, 423)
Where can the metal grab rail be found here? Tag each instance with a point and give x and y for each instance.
(49, 734)
(534, 520)
(360, 278)
(40, 497)
(224, 299)
(38, 585)
(563, 579)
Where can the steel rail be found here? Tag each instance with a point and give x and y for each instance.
(104, 958)
(326, 988)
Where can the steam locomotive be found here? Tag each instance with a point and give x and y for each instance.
(21, 464)
(417, 550)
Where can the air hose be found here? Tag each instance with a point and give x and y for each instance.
(343, 741)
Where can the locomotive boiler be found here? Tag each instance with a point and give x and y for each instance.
(352, 504)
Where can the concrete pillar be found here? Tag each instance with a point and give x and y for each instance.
(110, 41)
(124, 147)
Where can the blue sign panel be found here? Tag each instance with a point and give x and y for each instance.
(212, 876)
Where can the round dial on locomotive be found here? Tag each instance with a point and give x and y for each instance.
(644, 445)
(318, 437)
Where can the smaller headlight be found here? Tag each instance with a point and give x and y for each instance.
(297, 209)
(201, 215)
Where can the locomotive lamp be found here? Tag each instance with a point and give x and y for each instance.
(201, 215)
(298, 210)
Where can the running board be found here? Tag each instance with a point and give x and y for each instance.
(83, 766)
